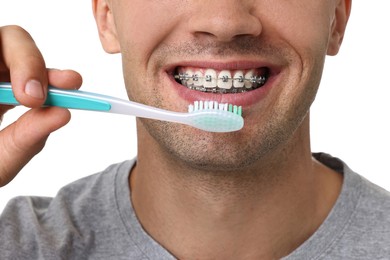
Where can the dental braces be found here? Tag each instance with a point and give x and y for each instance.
(260, 80)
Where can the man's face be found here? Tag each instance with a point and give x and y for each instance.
(283, 41)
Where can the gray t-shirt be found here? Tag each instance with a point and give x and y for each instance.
(93, 218)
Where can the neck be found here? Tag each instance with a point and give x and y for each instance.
(266, 210)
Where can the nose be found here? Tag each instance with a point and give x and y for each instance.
(224, 20)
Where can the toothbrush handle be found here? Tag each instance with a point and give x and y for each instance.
(74, 99)
(77, 99)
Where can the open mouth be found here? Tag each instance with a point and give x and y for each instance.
(224, 81)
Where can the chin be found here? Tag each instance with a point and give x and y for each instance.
(215, 152)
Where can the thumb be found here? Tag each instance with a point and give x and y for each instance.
(22, 140)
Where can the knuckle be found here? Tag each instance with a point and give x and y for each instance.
(5, 175)
(5, 163)
(30, 61)
(13, 28)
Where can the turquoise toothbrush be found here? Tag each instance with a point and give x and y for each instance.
(207, 116)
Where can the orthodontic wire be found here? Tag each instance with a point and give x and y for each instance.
(208, 78)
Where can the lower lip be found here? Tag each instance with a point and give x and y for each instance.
(241, 99)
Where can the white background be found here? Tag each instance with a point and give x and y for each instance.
(349, 118)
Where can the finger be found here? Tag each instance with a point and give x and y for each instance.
(25, 64)
(23, 139)
(67, 79)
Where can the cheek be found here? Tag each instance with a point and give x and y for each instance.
(304, 24)
(143, 25)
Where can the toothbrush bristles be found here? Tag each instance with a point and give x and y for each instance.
(213, 105)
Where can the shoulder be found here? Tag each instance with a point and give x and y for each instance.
(358, 226)
(366, 234)
(95, 185)
(372, 214)
(68, 225)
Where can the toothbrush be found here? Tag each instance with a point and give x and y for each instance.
(204, 115)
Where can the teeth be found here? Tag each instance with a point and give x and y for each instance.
(225, 79)
(210, 79)
(249, 75)
(189, 78)
(239, 81)
(197, 78)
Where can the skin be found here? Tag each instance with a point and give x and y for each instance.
(205, 195)
(21, 62)
(232, 181)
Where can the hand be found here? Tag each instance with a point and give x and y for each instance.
(22, 64)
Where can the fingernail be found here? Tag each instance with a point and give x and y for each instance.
(34, 89)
